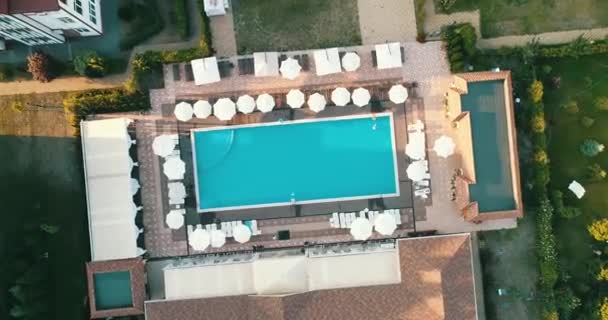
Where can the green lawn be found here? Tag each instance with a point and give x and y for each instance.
(40, 166)
(263, 25)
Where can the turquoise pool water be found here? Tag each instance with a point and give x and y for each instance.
(113, 290)
(301, 162)
(494, 188)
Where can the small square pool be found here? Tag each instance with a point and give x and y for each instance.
(113, 290)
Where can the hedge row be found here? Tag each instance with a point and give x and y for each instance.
(576, 48)
(146, 23)
(181, 18)
(461, 41)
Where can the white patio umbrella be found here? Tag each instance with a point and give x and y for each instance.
(174, 219)
(134, 186)
(397, 94)
(163, 145)
(174, 168)
(361, 97)
(385, 224)
(202, 109)
(577, 189)
(290, 68)
(224, 109)
(183, 111)
(415, 150)
(416, 171)
(199, 239)
(177, 190)
(340, 96)
(295, 98)
(241, 233)
(245, 104)
(351, 61)
(444, 146)
(316, 102)
(265, 102)
(218, 238)
(361, 229)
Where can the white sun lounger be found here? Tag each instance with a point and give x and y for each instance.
(342, 220)
(334, 221)
(254, 226)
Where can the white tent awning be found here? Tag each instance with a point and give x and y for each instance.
(245, 104)
(290, 68)
(163, 145)
(398, 94)
(295, 98)
(205, 71)
(218, 238)
(177, 190)
(316, 102)
(444, 146)
(416, 171)
(241, 233)
(388, 55)
(385, 224)
(577, 189)
(361, 229)
(174, 219)
(199, 239)
(361, 97)
(174, 168)
(340, 96)
(327, 61)
(351, 61)
(202, 109)
(265, 102)
(214, 7)
(266, 64)
(183, 111)
(224, 109)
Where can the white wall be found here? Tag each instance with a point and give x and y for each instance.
(86, 13)
(31, 29)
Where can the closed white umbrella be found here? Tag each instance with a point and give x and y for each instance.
(241, 233)
(134, 186)
(199, 239)
(415, 150)
(290, 68)
(177, 190)
(416, 171)
(361, 229)
(577, 189)
(351, 61)
(218, 238)
(202, 109)
(183, 111)
(295, 98)
(385, 224)
(163, 145)
(174, 219)
(397, 93)
(224, 109)
(245, 104)
(361, 97)
(444, 146)
(340, 96)
(316, 102)
(265, 102)
(174, 168)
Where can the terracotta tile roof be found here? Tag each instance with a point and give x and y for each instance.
(437, 283)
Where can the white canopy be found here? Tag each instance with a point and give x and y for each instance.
(351, 61)
(214, 7)
(105, 149)
(416, 146)
(241, 233)
(174, 168)
(134, 186)
(163, 145)
(577, 189)
(177, 190)
(340, 96)
(218, 238)
(175, 219)
(290, 68)
(397, 94)
(183, 111)
(295, 98)
(245, 104)
(388, 55)
(385, 224)
(202, 109)
(444, 146)
(205, 71)
(416, 171)
(361, 229)
(265, 102)
(199, 239)
(266, 64)
(361, 97)
(327, 61)
(224, 109)
(316, 102)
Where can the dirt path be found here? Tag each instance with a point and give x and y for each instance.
(387, 20)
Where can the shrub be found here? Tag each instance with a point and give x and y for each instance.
(603, 309)
(595, 172)
(598, 229)
(546, 251)
(536, 91)
(591, 148)
(420, 18)
(540, 157)
(547, 69)
(446, 5)
(537, 124)
(469, 38)
(587, 122)
(602, 275)
(570, 212)
(90, 64)
(571, 107)
(601, 103)
(566, 302)
(205, 43)
(39, 65)
(460, 40)
(550, 315)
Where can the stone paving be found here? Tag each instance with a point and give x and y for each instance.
(386, 21)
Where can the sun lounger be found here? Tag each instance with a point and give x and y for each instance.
(254, 228)
(371, 216)
(352, 216)
(342, 220)
(208, 227)
(334, 221)
(397, 215)
(190, 229)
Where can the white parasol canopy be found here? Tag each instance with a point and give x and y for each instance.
(177, 190)
(361, 97)
(266, 64)
(241, 233)
(577, 189)
(265, 102)
(183, 111)
(175, 219)
(295, 98)
(316, 102)
(361, 229)
(163, 145)
(199, 239)
(327, 61)
(134, 186)
(388, 55)
(340, 96)
(218, 238)
(385, 224)
(415, 150)
(416, 171)
(224, 109)
(397, 93)
(444, 146)
(202, 109)
(174, 168)
(351, 61)
(205, 71)
(245, 104)
(290, 68)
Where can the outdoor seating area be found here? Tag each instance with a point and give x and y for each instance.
(418, 169)
(200, 237)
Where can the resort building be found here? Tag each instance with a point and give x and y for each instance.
(39, 22)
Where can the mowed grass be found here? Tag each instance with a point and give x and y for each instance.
(270, 25)
(42, 181)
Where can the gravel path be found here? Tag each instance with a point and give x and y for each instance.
(386, 20)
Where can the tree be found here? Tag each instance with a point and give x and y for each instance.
(536, 91)
(90, 64)
(538, 123)
(591, 148)
(540, 157)
(603, 309)
(39, 65)
(602, 275)
(595, 172)
(598, 229)
(601, 103)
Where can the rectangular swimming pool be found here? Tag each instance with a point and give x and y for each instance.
(113, 290)
(295, 162)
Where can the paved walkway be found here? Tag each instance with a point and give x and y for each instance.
(387, 20)
(434, 21)
(223, 35)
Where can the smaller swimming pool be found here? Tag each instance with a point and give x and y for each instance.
(113, 290)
